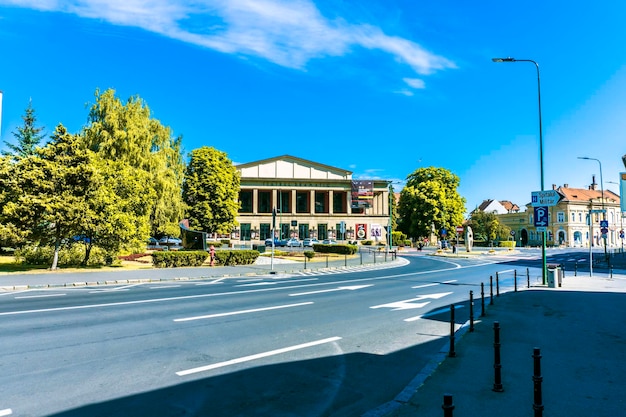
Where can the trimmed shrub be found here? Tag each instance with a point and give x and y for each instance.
(309, 254)
(235, 257)
(68, 256)
(340, 249)
(366, 242)
(507, 243)
(169, 259)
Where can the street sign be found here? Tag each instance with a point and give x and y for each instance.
(512, 232)
(604, 223)
(541, 218)
(597, 211)
(546, 198)
(459, 229)
(444, 232)
(621, 234)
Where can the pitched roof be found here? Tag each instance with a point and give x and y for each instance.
(510, 207)
(293, 159)
(585, 194)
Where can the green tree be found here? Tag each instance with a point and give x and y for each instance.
(53, 184)
(210, 191)
(128, 134)
(11, 234)
(430, 199)
(487, 225)
(28, 136)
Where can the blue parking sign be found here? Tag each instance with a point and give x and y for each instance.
(541, 216)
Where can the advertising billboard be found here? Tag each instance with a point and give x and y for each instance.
(362, 193)
(361, 231)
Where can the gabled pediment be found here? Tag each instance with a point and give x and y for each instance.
(291, 167)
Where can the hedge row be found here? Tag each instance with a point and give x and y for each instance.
(178, 258)
(235, 257)
(341, 249)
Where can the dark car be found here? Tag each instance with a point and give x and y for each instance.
(277, 242)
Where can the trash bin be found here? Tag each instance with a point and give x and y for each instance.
(554, 276)
(260, 248)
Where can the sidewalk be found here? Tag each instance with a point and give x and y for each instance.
(579, 329)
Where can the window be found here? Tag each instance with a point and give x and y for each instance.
(573, 217)
(303, 231)
(245, 200)
(339, 202)
(549, 235)
(321, 202)
(302, 202)
(322, 231)
(580, 217)
(530, 219)
(284, 200)
(245, 231)
(560, 217)
(265, 202)
(265, 231)
(284, 231)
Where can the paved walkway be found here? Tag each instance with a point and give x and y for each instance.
(579, 331)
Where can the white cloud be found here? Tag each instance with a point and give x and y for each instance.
(288, 33)
(414, 83)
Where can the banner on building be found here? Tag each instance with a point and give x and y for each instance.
(622, 191)
(376, 231)
(361, 231)
(362, 193)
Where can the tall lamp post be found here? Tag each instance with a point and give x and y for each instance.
(602, 191)
(544, 272)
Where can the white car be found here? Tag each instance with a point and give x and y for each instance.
(294, 242)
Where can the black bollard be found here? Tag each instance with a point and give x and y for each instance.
(497, 365)
(576, 269)
(527, 278)
(374, 257)
(448, 405)
(515, 279)
(385, 256)
(305, 262)
(326, 261)
(611, 272)
(345, 260)
(361, 258)
(482, 299)
(490, 290)
(537, 379)
(497, 285)
(452, 353)
(471, 306)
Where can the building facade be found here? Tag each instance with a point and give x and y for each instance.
(310, 200)
(574, 221)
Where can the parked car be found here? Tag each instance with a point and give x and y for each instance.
(329, 242)
(294, 242)
(277, 242)
(170, 241)
(153, 242)
(309, 242)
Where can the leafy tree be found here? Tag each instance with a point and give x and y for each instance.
(210, 191)
(10, 234)
(53, 184)
(127, 133)
(488, 225)
(27, 136)
(430, 199)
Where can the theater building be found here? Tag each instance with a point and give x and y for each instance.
(310, 200)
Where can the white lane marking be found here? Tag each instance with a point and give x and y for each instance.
(14, 292)
(426, 285)
(215, 281)
(449, 281)
(187, 297)
(448, 262)
(505, 271)
(39, 296)
(257, 356)
(232, 313)
(409, 304)
(432, 313)
(164, 286)
(346, 288)
(122, 288)
(256, 284)
(6, 412)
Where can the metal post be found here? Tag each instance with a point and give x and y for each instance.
(515, 279)
(452, 353)
(326, 261)
(497, 285)
(490, 290)
(448, 405)
(304, 261)
(482, 299)
(497, 365)
(345, 260)
(361, 253)
(471, 306)
(537, 379)
(528, 278)
(374, 257)
(576, 269)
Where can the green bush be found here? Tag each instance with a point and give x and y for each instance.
(236, 257)
(309, 254)
(507, 243)
(167, 259)
(68, 256)
(340, 249)
(366, 242)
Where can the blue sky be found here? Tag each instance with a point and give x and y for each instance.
(379, 87)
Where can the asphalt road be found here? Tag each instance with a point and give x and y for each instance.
(325, 344)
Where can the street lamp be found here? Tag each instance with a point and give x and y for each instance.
(602, 190)
(544, 272)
